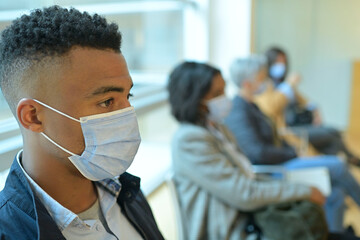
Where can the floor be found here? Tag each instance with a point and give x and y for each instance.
(352, 215)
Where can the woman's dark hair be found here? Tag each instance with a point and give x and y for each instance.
(271, 55)
(188, 83)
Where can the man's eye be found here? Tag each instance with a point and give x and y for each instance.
(129, 95)
(107, 103)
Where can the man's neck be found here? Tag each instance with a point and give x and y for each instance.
(67, 186)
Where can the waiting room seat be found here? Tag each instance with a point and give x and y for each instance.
(176, 204)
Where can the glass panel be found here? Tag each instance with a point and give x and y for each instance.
(152, 42)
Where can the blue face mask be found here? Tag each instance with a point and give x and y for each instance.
(111, 143)
(277, 70)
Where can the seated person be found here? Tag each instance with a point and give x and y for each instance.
(284, 104)
(68, 85)
(214, 180)
(257, 137)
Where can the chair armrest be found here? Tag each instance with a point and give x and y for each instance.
(269, 170)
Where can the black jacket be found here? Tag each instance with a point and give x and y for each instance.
(256, 135)
(23, 216)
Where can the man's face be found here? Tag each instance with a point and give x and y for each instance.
(90, 82)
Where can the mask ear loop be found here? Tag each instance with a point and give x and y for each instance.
(55, 110)
(48, 138)
(53, 142)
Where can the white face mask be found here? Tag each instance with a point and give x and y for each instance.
(277, 70)
(219, 107)
(111, 143)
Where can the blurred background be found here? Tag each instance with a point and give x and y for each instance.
(321, 38)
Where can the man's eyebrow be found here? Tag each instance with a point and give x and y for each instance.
(103, 90)
(106, 89)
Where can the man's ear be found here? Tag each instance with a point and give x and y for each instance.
(27, 112)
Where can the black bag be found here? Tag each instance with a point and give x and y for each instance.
(296, 115)
(300, 220)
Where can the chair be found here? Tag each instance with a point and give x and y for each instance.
(176, 204)
(268, 170)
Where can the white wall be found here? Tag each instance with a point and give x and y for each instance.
(229, 34)
(322, 38)
(230, 30)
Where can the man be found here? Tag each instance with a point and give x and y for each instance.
(67, 83)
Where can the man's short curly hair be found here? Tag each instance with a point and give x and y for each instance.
(49, 32)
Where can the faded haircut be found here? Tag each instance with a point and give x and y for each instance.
(42, 38)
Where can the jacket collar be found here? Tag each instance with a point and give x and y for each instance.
(18, 191)
(130, 187)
